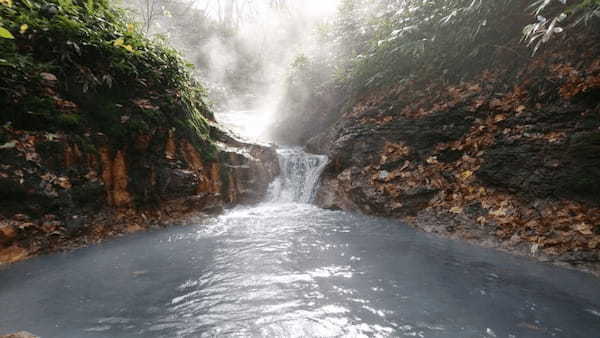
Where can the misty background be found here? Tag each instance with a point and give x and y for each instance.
(241, 49)
(285, 70)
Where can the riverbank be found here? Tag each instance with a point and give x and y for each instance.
(507, 158)
(115, 138)
(67, 198)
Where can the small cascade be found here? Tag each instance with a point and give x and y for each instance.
(299, 176)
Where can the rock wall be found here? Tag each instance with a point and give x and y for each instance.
(509, 158)
(66, 190)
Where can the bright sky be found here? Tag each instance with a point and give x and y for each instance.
(312, 8)
(319, 7)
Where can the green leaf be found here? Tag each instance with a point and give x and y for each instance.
(90, 6)
(4, 33)
(4, 63)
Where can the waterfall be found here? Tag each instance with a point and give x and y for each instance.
(299, 176)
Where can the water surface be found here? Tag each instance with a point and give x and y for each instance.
(285, 268)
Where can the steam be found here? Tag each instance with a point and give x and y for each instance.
(244, 61)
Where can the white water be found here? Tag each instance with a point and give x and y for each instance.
(299, 176)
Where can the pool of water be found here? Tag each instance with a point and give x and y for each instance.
(294, 270)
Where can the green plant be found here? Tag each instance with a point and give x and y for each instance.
(98, 64)
(561, 15)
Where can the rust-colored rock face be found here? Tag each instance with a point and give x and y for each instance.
(72, 155)
(120, 196)
(192, 157)
(107, 173)
(54, 195)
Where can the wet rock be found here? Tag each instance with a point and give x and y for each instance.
(22, 334)
(8, 233)
(89, 194)
(581, 257)
(75, 223)
(87, 183)
(174, 183)
(13, 254)
(21, 217)
(498, 176)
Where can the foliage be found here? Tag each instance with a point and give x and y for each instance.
(231, 67)
(92, 69)
(307, 91)
(377, 44)
(563, 15)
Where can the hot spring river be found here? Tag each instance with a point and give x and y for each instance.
(285, 268)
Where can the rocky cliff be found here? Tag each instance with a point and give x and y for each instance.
(56, 193)
(506, 158)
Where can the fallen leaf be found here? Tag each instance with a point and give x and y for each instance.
(145, 104)
(32, 157)
(466, 174)
(456, 210)
(499, 118)
(49, 77)
(64, 183)
(499, 212)
(584, 229)
(9, 145)
(52, 137)
(432, 160)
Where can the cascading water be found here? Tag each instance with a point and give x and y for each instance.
(299, 176)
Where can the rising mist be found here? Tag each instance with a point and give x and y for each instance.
(241, 50)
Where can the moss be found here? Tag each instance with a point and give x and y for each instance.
(208, 150)
(105, 80)
(86, 145)
(138, 125)
(69, 121)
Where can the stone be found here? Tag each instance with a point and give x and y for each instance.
(22, 334)
(13, 254)
(7, 232)
(133, 228)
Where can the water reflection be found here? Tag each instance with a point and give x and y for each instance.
(265, 288)
(292, 270)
